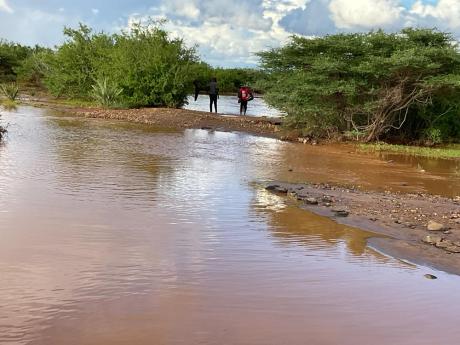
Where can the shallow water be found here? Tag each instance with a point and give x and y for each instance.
(112, 233)
(229, 105)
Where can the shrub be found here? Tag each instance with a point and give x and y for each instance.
(151, 68)
(10, 91)
(106, 93)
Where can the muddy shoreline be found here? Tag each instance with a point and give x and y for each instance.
(174, 119)
(403, 218)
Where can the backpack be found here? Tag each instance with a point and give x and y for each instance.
(245, 94)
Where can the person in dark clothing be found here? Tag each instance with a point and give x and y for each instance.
(244, 96)
(196, 83)
(213, 94)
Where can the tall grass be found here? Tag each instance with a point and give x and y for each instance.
(446, 152)
(10, 91)
(106, 93)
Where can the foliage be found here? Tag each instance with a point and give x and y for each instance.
(434, 135)
(10, 91)
(229, 79)
(33, 68)
(151, 68)
(11, 57)
(106, 93)
(377, 84)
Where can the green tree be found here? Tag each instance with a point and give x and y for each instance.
(12, 56)
(377, 84)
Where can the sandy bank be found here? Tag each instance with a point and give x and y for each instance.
(404, 218)
(167, 118)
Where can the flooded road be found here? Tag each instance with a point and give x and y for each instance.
(113, 233)
(229, 105)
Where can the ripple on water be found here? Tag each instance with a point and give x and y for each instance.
(112, 234)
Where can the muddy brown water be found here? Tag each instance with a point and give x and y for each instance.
(112, 233)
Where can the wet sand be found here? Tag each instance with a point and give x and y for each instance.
(175, 119)
(403, 218)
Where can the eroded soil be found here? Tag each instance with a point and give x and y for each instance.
(402, 217)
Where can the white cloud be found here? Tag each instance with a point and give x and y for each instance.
(228, 32)
(30, 26)
(181, 9)
(5, 7)
(95, 11)
(447, 11)
(365, 13)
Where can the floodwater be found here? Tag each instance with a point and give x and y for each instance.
(113, 233)
(228, 105)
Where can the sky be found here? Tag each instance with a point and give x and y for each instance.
(227, 32)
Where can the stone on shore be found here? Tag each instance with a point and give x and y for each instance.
(430, 239)
(434, 226)
(311, 201)
(430, 276)
(340, 212)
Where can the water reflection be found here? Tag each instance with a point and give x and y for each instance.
(229, 105)
(113, 234)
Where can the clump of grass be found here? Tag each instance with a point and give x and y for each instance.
(106, 93)
(10, 91)
(8, 104)
(446, 152)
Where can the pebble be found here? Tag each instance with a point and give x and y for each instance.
(430, 239)
(430, 276)
(341, 212)
(311, 201)
(434, 226)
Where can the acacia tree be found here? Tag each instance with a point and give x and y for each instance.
(375, 83)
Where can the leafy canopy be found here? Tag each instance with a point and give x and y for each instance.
(374, 83)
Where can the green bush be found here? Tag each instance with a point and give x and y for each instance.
(11, 57)
(151, 68)
(434, 135)
(106, 93)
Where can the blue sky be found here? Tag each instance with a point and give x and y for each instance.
(227, 32)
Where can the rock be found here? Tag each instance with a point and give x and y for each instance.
(430, 276)
(447, 232)
(277, 189)
(326, 198)
(452, 249)
(430, 239)
(311, 201)
(434, 226)
(290, 170)
(339, 212)
(373, 219)
(327, 204)
(444, 244)
(271, 187)
(293, 195)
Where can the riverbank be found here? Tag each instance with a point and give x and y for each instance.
(401, 216)
(172, 119)
(420, 228)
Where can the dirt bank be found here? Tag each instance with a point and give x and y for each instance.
(404, 218)
(174, 118)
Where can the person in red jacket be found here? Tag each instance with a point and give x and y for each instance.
(244, 96)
